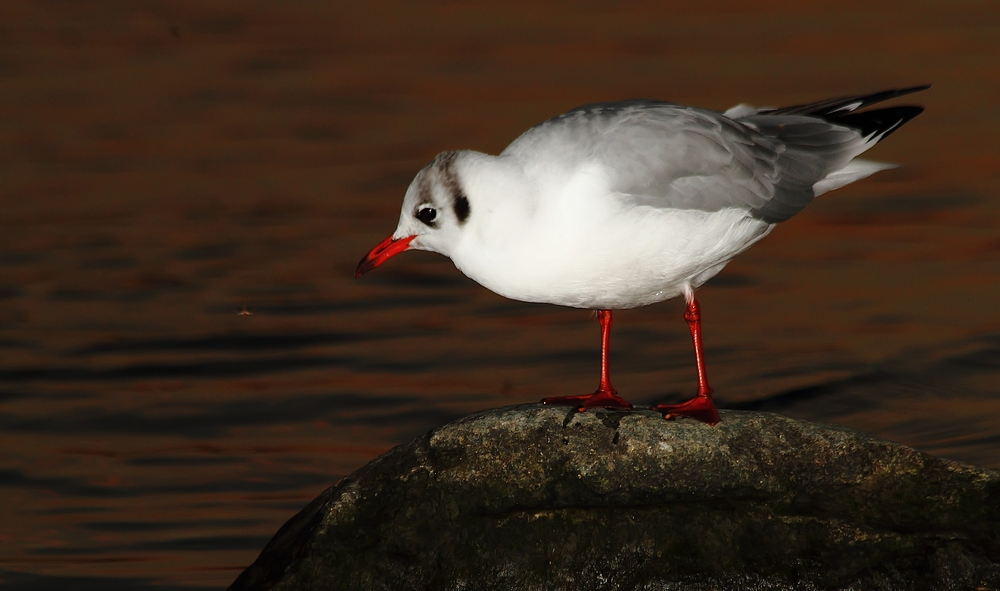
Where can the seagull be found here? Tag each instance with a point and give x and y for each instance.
(618, 205)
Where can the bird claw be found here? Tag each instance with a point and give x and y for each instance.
(700, 408)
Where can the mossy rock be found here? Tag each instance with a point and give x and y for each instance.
(537, 497)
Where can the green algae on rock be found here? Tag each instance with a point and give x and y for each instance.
(540, 497)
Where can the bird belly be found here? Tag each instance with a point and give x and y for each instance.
(634, 256)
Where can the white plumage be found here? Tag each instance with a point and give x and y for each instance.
(619, 205)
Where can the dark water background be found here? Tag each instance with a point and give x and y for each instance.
(164, 165)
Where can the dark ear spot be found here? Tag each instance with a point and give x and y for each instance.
(461, 206)
(449, 179)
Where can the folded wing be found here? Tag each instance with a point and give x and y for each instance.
(771, 162)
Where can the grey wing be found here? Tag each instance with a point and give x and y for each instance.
(668, 156)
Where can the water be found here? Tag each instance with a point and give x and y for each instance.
(166, 168)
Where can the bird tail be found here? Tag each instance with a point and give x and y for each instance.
(855, 170)
(820, 142)
(873, 125)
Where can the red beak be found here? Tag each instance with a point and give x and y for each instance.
(381, 253)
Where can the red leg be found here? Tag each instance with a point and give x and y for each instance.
(605, 396)
(701, 406)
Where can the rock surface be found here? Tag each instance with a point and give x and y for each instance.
(539, 498)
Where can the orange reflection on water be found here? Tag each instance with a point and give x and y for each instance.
(165, 167)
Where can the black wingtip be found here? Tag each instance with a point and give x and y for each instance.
(847, 104)
(878, 123)
(875, 124)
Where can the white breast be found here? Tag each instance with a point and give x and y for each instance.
(576, 244)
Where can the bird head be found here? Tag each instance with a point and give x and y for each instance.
(435, 210)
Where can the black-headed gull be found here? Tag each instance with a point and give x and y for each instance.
(618, 205)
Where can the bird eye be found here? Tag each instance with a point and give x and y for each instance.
(427, 215)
